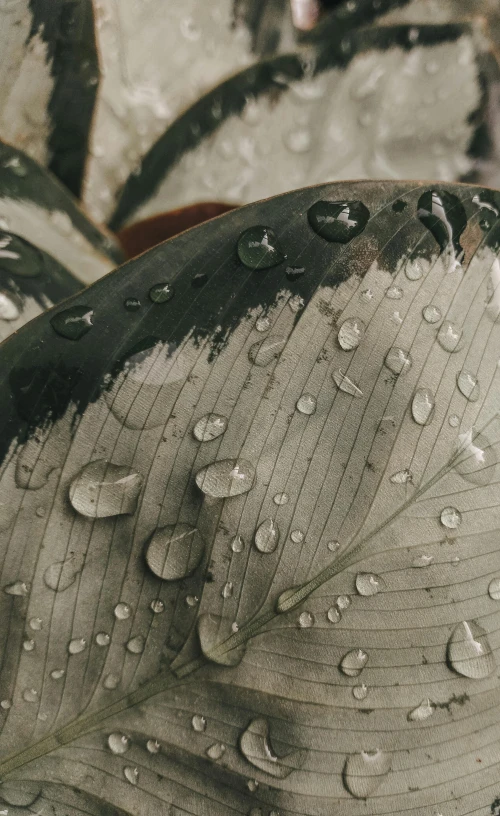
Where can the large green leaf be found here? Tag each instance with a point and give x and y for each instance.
(48, 82)
(36, 207)
(240, 399)
(397, 102)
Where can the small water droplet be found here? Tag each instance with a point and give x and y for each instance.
(296, 303)
(118, 743)
(73, 323)
(360, 692)
(225, 478)
(415, 268)
(136, 645)
(237, 544)
(258, 248)
(431, 314)
(449, 337)
(199, 722)
(494, 589)
(364, 772)
(18, 588)
(227, 590)
(293, 273)
(394, 293)
(161, 292)
(444, 215)
(174, 551)
(131, 774)
(280, 499)
(423, 406)
(9, 310)
(30, 695)
(191, 601)
(353, 663)
(306, 620)
(28, 645)
(267, 536)
(338, 221)
(61, 575)
(468, 385)
(267, 350)
(343, 601)
(6, 704)
(454, 420)
(351, 333)
(36, 624)
(153, 746)
(122, 611)
(111, 681)
(401, 477)
(57, 674)
(345, 384)
(216, 751)
(368, 584)
(469, 651)
(297, 536)
(451, 518)
(102, 489)
(423, 561)
(157, 606)
(334, 615)
(333, 546)
(132, 304)
(209, 427)
(306, 404)
(76, 645)
(422, 712)
(398, 361)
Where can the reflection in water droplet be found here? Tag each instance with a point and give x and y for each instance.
(76, 646)
(475, 458)
(345, 384)
(468, 385)
(258, 248)
(423, 406)
(281, 498)
(444, 215)
(225, 478)
(209, 427)
(199, 722)
(306, 404)
(494, 589)
(306, 620)
(431, 314)
(451, 518)
(73, 323)
(267, 350)
(136, 645)
(57, 674)
(360, 692)
(131, 774)
(153, 746)
(422, 711)
(157, 606)
(60, 575)
(449, 337)
(237, 544)
(19, 588)
(469, 651)
(364, 772)
(351, 333)
(397, 360)
(339, 221)
(102, 639)
(174, 551)
(267, 536)
(334, 615)
(297, 536)
(216, 751)
(161, 292)
(9, 309)
(118, 743)
(30, 695)
(354, 662)
(122, 611)
(102, 489)
(368, 584)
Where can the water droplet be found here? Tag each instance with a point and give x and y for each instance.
(423, 561)
(334, 614)
(256, 747)
(398, 361)
(36, 624)
(111, 681)
(293, 273)
(131, 774)
(6, 704)
(237, 544)
(394, 293)
(494, 589)
(191, 600)
(364, 772)
(351, 333)
(136, 645)
(118, 743)
(199, 722)
(415, 268)
(30, 695)
(20, 793)
(469, 651)
(422, 711)
(216, 751)
(280, 499)
(19, 588)
(401, 477)
(28, 645)
(449, 337)
(360, 692)
(227, 590)
(345, 384)
(267, 536)
(306, 404)
(73, 323)
(9, 309)
(333, 546)
(354, 662)
(61, 575)
(339, 221)
(444, 215)
(431, 314)
(423, 406)
(161, 292)
(267, 350)
(297, 536)
(368, 584)
(225, 478)
(57, 674)
(157, 606)
(468, 385)
(174, 551)
(451, 518)
(19, 257)
(306, 620)
(122, 611)
(252, 785)
(102, 489)
(209, 427)
(296, 303)
(343, 601)
(132, 304)
(153, 746)
(263, 324)
(258, 248)
(76, 646)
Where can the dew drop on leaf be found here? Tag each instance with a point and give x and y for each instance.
(397, 360)
(57, 674)
(102, 489)
(494, 589)
(360, 692)
(191, 601)
(227, 590)
(451, 518)
(216, 751)
(338, 221)
(293, 273)
(118, 743)
(132, 304)
(30, 695)
(111, 681)
(61, 575)
(153, 746)
(351, 333)
(209, 427)
(333, 546)
(237, 544)
(174, 551)
(469, 652)
(423, 406)
(122, 611)
(102, 639)
(131, 774)
(306, 620)
(306, 404)
(198, 722)
(345, 384)
(368, 584)
(256, 748)
(468, 385)
(334, 615)
(431, 314)
(422, 561)
(353, 663)
(454, 420)
(258, 248)
(76, 645)
(449, 337)
(364, 772)
(73, 323)
(267, 350)
(161, 292)
(226, 478)
(280, 499)
(157, 606)
(263, 324)
(18, 588)
(422, 712)
(297, 536)
(267, 536)
(135, 645)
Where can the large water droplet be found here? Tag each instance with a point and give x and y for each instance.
(256, 748)
(281, 499)
(19, 588)
(157, 606)
(444, 215)
(258, 248)
(227, 590)
(468, 385)
(423, 406)
(368, 584)
(225, 478)
(73, 323)
(306, 404)
(20, 793)
(338, 221)
(30, 695)
(61, 575)
(267, 536)
(263, 324)
(266, 350)
(354, 662)
(401, 477)
(345, 384)
(237, 544)
(174, 551)
(334, 615)
(449, 337)
(364, 772)
(397, 360)
(118, 743)
(422, 711)
(102, 639)
(102, 489)
(111, 681)
(209, 427)
(351, 333)
(360, 692)
(476, 458)
(469, 652)
(153, 746)
(77, 645)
